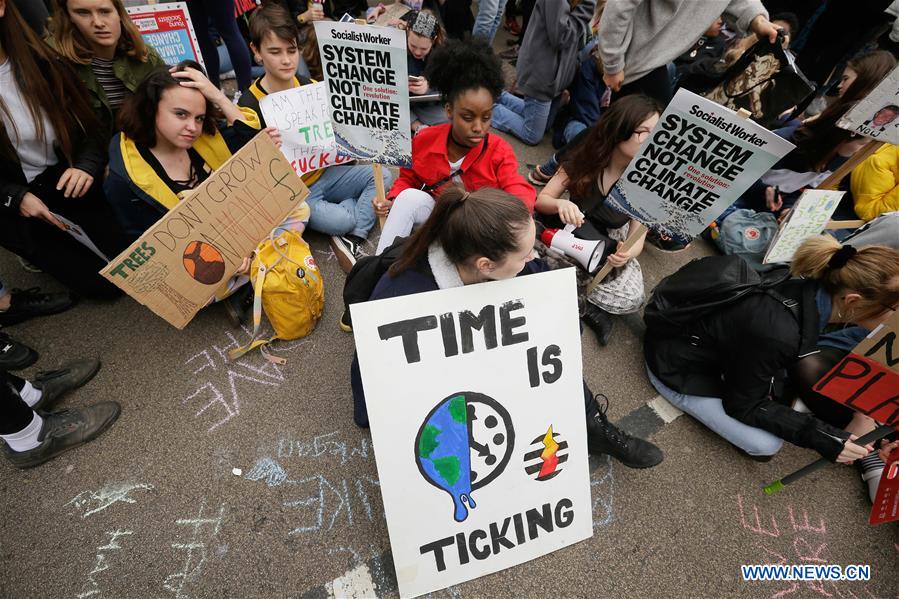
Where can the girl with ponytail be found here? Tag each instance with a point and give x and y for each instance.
(736, 368)
(476, 237)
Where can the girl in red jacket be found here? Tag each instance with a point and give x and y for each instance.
(461, 151)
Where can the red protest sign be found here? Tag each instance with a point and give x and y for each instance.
(886, 503)
(867, 379)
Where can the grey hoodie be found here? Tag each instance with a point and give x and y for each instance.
(641, 35)
(548, 58)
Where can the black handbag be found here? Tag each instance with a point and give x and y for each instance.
(765, 81)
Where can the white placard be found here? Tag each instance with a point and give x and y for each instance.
(877, 114)
(807, 218)
(697, 161)
(301, 115)
(368, 90)
(479, 433)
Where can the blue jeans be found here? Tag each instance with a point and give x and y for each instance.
(710, 412)
(490, 13)
(525, 118)
(572, 128)
(340, 200)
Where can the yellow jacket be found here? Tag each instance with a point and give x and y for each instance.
(875, 183)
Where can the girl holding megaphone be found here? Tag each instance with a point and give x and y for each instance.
(590, 174)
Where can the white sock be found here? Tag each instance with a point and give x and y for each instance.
(872, 470)
(26, 438)
(30, 394)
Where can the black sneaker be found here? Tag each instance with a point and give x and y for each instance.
(346, 325)
(605, 437)
(53, 384)
(599, 321)
(239, 306)
(347, 248)
(31, 302)
(64, 430)
(665, 243)
(15, 355)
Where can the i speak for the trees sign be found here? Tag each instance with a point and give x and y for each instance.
(476, 406)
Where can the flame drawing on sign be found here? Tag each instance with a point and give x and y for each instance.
(550, 460)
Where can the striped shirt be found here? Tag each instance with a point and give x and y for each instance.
(112, 86)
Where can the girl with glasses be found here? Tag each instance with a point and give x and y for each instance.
(589, 175)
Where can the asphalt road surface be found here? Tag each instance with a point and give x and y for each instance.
(154, 507)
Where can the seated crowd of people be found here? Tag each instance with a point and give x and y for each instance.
(134, 135)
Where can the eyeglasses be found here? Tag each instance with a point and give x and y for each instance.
(641, 134)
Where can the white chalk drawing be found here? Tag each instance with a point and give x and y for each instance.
(91, 502)
(203, 530)
(269, 470)
(101, 563)
(221, 394)
(602, 488)
(330, 500)
(324, 446)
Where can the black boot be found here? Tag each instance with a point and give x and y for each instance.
(64, 430)
(600, 321)
(605, 437)
(53, 384)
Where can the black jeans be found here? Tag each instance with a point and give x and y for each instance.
(15, 414)
(57, 253)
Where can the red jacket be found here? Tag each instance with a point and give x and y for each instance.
(492, 166)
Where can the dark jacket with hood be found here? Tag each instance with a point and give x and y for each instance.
(741, 354)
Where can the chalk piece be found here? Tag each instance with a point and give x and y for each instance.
(237, 472)
(665, 410)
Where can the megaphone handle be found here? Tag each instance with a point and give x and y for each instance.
(632, 238)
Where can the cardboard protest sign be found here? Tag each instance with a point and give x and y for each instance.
(867, 379)
(394, 12)
(475, 401)
(809, 216)
(886, 502)
(168, 29)
(178, 264)
(303, 117)
(368, 90)
(697, 161)
(877, 114)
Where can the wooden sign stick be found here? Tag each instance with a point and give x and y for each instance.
(380, 193)
(833, 181)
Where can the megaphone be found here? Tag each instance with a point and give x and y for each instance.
(587, 253)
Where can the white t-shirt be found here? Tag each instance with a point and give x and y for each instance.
(35, 154)
(454, 166)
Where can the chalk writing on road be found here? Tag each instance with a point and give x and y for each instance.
(324, 446)
(218, 398)
(202, 531)
(796, 538)
(91, 502)
(101, 563)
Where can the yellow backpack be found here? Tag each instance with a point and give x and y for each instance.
(288, 285)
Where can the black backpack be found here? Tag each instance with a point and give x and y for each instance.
(364, 277)
(705, 285)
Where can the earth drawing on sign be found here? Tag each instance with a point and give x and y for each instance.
(464, 443)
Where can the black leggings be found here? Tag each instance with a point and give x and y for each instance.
(57, 253)
(222, 14)
(15, 414)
